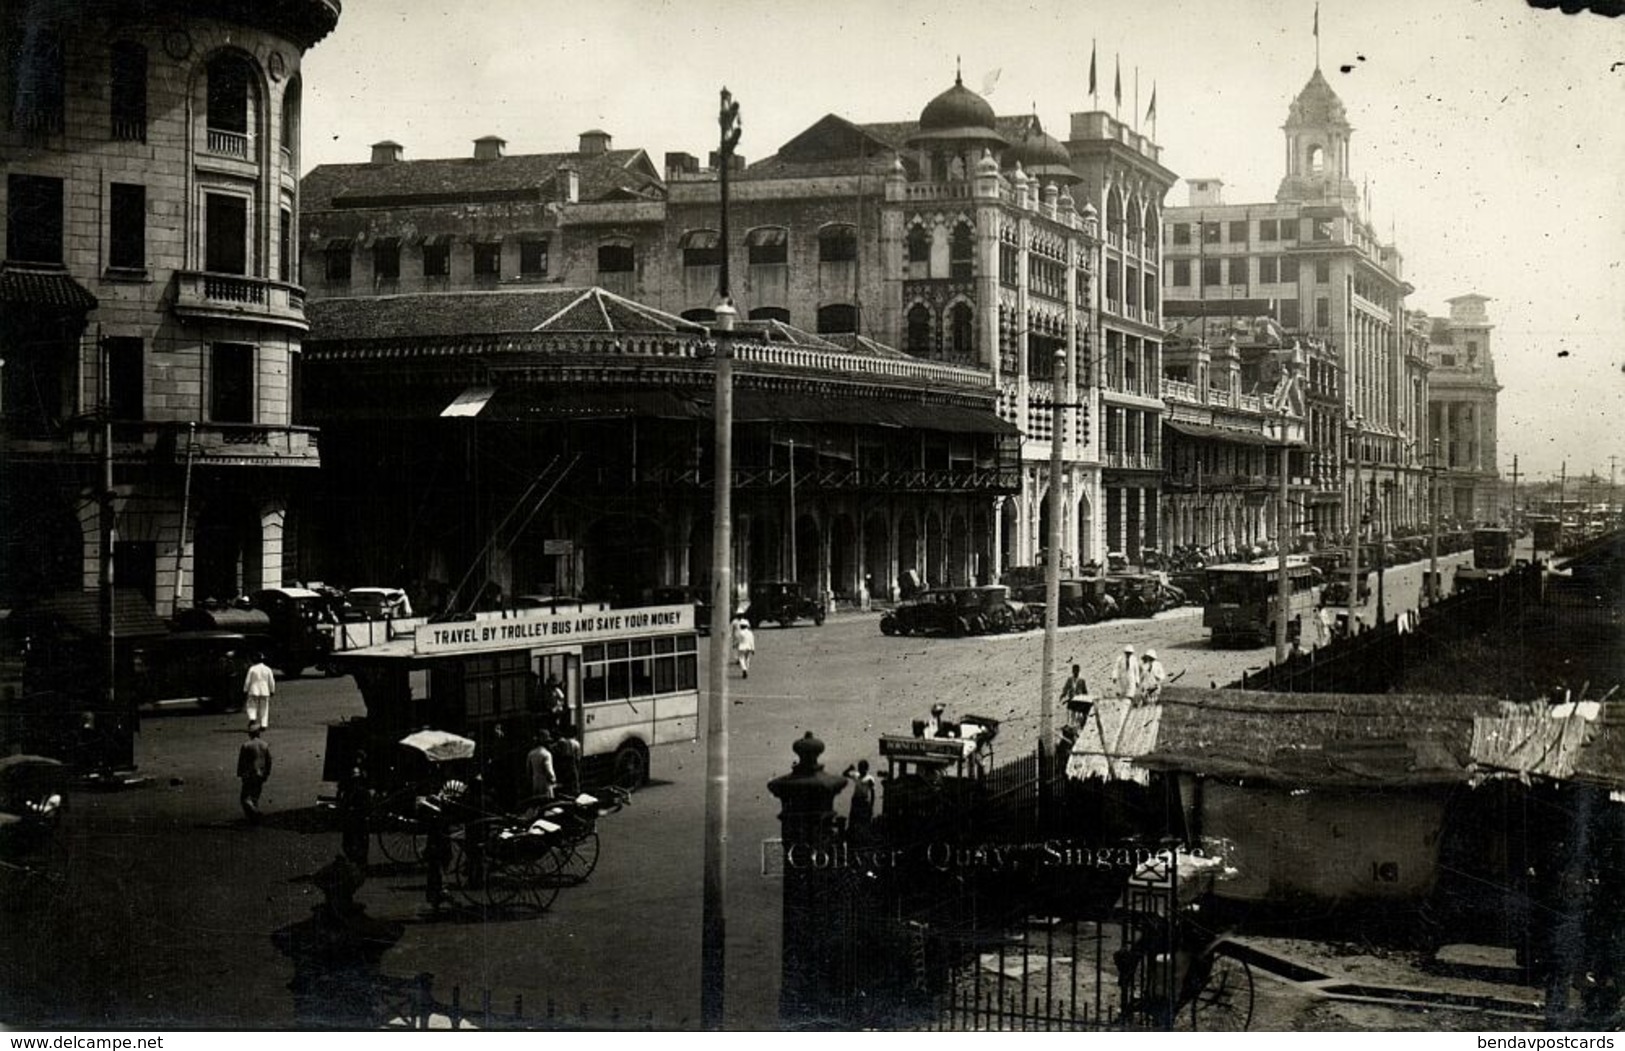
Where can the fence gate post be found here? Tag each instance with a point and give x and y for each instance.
(811, 993)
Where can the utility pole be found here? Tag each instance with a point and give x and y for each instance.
(793, 574)
(186, 511)
(1613, 461)
(107, 509)
(1356, 514)
(1283, 586)
(1514, 495)
(713, 923)
(1433, 526)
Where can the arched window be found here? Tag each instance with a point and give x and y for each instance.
(230, 104)
(962, 331)
(779, 314)
(1114, 212)
(918, 342)
(768, 245)
(919, 244)
(702, 248)
(1317, 160)
(291, 101)
(838, 243)
(1134, 221)
(837, 317)
(962, 252)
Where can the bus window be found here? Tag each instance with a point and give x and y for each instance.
(643, 680)
(688, 676)
(620, 679)
(594, 681)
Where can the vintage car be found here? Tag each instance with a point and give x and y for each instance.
(960, 611)
(206, 667)
(785, 601)
(376, 604)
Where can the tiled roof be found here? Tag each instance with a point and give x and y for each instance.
(616, 173)
(43, 286)
(79, 613)
(438, 314)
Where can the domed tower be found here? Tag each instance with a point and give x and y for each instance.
(1041, 156)
(1317, 147)
(955, 127)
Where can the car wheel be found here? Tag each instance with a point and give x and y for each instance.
(959, 628)
(888, 626)
(631, 766)
(818, 617)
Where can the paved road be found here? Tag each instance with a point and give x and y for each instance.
(167, 905)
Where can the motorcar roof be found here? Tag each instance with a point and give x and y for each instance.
(289, 592)
(375, 591)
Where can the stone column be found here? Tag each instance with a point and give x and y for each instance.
(812, 993)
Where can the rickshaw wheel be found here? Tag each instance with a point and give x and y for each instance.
(486, 878)
(400, 840)
(1224, 1003)
(578, 858)
(541, 880)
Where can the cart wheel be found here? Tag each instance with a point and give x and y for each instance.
(485, 877)
(577, 859)
(1224, 1003)
(400, 841)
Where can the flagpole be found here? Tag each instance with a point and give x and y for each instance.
(1094, 92)
(1136, 98)
(1317, 36)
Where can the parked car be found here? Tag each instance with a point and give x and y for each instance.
(376, 604)
(928, 613)
(782, 600)
(997, 612)
(301, 627)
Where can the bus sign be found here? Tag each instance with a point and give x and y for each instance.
(529, 628)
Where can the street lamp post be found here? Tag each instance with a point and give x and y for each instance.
(713, 921)
(1052, 564)
(1355, 517)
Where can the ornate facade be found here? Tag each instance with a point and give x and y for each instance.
(1312, 263)
(148, 287)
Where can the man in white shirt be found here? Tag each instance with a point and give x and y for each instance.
(1152, 677)
(1126, 674)
(258, 686)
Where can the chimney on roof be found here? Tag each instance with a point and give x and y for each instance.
(679, 164)
(489, 147)
(569, 183)
(736, 163)
(386, 152)
(594, 142)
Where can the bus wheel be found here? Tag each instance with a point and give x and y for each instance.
(631, 766)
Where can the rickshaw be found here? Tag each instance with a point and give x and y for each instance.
(1173, 972)
(32, 788)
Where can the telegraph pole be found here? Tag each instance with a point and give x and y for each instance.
(713, 924)
(108, 539)
(1052, 563)
(1433, 526)
(1283, 586)
(793, 574)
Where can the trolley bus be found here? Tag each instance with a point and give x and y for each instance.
(1241, 599)
(618, 681)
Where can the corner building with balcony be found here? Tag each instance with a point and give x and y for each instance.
(150, 202)
(1311, 262)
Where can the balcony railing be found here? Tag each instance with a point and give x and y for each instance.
(1005, 478)
(228, 143)
(1136, 461)
(129, 129)
(1179, 390)
(212, 442)
(200, 293)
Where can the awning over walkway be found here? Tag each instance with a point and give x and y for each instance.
(1223, 434)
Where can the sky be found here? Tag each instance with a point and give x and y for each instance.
(1490, 134)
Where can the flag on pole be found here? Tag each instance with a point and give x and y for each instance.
(1117, 84)
(1317, 21)
(991, 81)
(1092, 90)
(1151, 110)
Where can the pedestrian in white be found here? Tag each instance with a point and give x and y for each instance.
(744, 644)
(1152, 676)
(258, 686)
(1126, 674)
